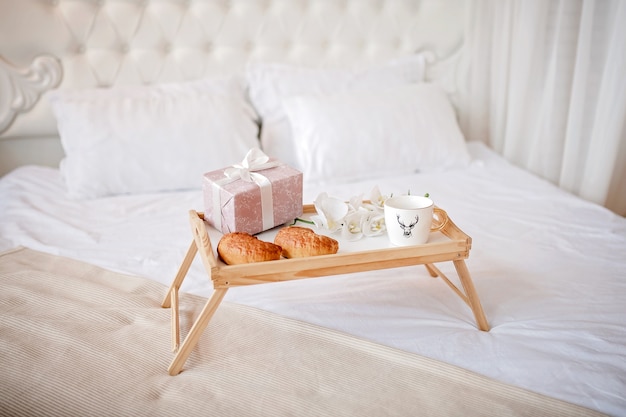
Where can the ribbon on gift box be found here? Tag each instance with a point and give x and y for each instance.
(254, 161)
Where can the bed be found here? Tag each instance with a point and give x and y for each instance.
(95, 201)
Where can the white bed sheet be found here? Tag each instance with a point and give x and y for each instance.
(550, 270)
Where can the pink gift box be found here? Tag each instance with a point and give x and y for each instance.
(273, 196)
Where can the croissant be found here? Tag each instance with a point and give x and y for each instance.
(297, 242)
(239, 248)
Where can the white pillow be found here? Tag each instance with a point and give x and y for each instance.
(268, 84)
(140, 139)
(349, 136)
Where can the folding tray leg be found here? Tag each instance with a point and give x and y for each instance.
(201, 243)
(432, 271)
(196, 331)
(182, 272)
(171, 297)
(472, 295)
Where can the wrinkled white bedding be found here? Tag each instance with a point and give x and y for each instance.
(550, 270)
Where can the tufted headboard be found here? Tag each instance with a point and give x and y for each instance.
(47, 44)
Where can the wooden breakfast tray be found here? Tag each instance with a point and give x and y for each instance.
(450, 244)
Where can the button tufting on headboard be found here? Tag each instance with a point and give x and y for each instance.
(101, 43)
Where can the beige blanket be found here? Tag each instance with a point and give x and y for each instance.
(77, 340)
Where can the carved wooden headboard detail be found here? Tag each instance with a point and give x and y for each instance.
(22, 87)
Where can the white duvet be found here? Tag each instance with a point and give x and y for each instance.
(550, 270)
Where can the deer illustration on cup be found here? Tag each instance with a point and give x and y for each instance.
(407, 229)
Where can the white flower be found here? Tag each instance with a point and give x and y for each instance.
(330, 212)
(374, 225)
(352, 226)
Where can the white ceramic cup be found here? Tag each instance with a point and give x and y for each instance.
(409, 219)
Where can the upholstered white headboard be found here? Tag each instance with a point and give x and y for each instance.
(46, 44)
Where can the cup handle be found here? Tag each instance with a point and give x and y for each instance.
(440, 219)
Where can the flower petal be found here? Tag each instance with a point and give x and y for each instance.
(377, 199)
(374, 225)
(356, 202)
(330, 211)
(352, 229)
(319, 221)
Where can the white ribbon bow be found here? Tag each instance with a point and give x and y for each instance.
(255, 160)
